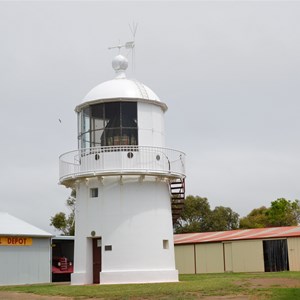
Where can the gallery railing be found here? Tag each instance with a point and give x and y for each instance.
(113, 160)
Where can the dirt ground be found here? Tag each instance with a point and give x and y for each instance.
(25, 296)
(249, 283)
(270, 282)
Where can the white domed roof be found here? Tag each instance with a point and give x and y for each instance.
(120, 88)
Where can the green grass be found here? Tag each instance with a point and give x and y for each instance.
(286, 294)
(189, 287)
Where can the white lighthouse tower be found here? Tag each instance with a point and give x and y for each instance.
(129, 186)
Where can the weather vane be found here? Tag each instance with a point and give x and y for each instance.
(128, 45)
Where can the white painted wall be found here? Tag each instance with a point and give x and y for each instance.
(151, 125)
(25, 264)
(134, 217)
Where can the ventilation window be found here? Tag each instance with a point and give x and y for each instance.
(94, 192)
(108, 247)
(166, 244)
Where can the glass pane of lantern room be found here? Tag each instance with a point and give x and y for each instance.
(85, 140)
(129, 123)
(79, 123)
(97, 124)
(129, 114)
(112, 137)
(84, 128)
(86, 120)
(112, 115)
(96, 138)
(129, 136)
(97, 117)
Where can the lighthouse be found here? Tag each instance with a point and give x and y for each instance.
(129, 185)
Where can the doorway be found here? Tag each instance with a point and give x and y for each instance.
(276, 255)
(96, 259)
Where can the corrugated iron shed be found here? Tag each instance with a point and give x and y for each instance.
(233, 235)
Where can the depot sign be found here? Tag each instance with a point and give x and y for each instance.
(15, 241)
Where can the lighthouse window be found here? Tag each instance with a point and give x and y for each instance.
(96, 136)
(93, 192)
(97, 118)
(108, 124)
(86, 120)
(84, 129)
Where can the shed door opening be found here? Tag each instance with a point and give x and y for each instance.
(62, 259)
(96, 260)
(276, 255)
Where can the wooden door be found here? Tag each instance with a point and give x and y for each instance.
(96, 260)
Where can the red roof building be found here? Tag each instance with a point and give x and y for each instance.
(248, 250)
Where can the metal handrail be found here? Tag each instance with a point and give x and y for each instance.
(111, 160)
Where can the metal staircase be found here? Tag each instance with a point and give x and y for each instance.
(177, 191)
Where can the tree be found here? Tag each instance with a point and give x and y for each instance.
(224, 218)
(62, 222)
(195, 216)
(198, 217)
(284, 213)
(257, 218)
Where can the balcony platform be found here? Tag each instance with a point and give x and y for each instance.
(121, 160)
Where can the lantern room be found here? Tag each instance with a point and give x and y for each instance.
(120, 112)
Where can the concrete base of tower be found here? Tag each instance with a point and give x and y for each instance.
(81, 278)
(131, 276)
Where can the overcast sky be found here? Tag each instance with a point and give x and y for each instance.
(229, 72)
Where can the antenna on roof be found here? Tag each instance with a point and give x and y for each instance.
(128, 45)
(133, 29)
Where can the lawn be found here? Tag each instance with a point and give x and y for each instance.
(275, 286)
